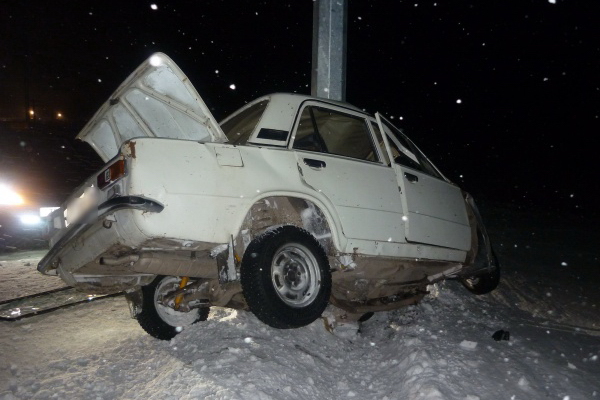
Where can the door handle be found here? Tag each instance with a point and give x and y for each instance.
(318, 164)
(411, 178)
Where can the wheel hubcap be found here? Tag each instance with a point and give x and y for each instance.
(167, 313)
(295, 275)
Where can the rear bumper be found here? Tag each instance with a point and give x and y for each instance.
(78, 228)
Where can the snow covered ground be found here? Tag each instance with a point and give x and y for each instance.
(19, 276)
(440, 349)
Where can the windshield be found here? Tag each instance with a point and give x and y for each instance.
(239, 127)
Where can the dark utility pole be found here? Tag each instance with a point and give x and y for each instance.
(330, 21)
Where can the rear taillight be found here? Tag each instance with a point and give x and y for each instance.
(111, 174)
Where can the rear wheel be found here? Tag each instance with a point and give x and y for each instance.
(286, 278)
(162, 321)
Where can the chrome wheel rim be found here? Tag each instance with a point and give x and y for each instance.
(295, 275)
(166, 312)
(472, 281)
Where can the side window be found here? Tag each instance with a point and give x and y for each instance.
(404, 151)
(332, 132)
(307, 137)
(399, 147)
(379, 139)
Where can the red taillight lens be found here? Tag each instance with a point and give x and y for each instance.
(111, 174)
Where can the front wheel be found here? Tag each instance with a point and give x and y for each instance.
(162, 321)
(486, 282)
(285, 278)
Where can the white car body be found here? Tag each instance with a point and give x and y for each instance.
(189, 202)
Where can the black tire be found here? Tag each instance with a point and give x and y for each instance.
(160, 321)
(286, 278)
(486, 282)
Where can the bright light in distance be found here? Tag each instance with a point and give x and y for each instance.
(31, 112)
(58, 115)
(156, 61)
(30, 219)
(9, 197)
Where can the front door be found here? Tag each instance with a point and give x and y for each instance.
(436, 212)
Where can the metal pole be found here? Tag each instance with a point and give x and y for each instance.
(330, 21)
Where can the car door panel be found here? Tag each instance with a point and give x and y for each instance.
(365, 195)
(435, 208)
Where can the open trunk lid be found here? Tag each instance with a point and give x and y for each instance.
(156, 100)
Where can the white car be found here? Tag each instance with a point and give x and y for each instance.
(288, 205)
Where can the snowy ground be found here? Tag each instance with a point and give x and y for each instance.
(440, 349)
(19, 276)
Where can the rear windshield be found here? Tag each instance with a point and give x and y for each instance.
(239, 128)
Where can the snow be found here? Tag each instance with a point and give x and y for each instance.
(19, 276)
(440, 349)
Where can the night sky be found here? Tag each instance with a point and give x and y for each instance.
(503, 96)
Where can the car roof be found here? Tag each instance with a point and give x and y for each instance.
(293, 100)
(300, 98)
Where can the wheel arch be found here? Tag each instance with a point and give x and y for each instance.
(276, 210)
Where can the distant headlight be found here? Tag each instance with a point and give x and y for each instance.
(30, 219)
(9, 197)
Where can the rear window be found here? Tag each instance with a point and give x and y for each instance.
(239, 128)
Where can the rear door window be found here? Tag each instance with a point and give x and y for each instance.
(327, 131)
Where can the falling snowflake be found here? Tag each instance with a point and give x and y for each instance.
(232, 86)
(154, 6)
(458, 101)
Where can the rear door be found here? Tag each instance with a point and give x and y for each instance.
(337, 158)
(435, 207)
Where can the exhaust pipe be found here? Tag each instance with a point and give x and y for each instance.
(119, 260)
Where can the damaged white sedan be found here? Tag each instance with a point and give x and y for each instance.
(290, 204)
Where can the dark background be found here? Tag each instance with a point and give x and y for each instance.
(527, 74)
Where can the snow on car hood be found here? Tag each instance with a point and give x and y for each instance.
(156, 100)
